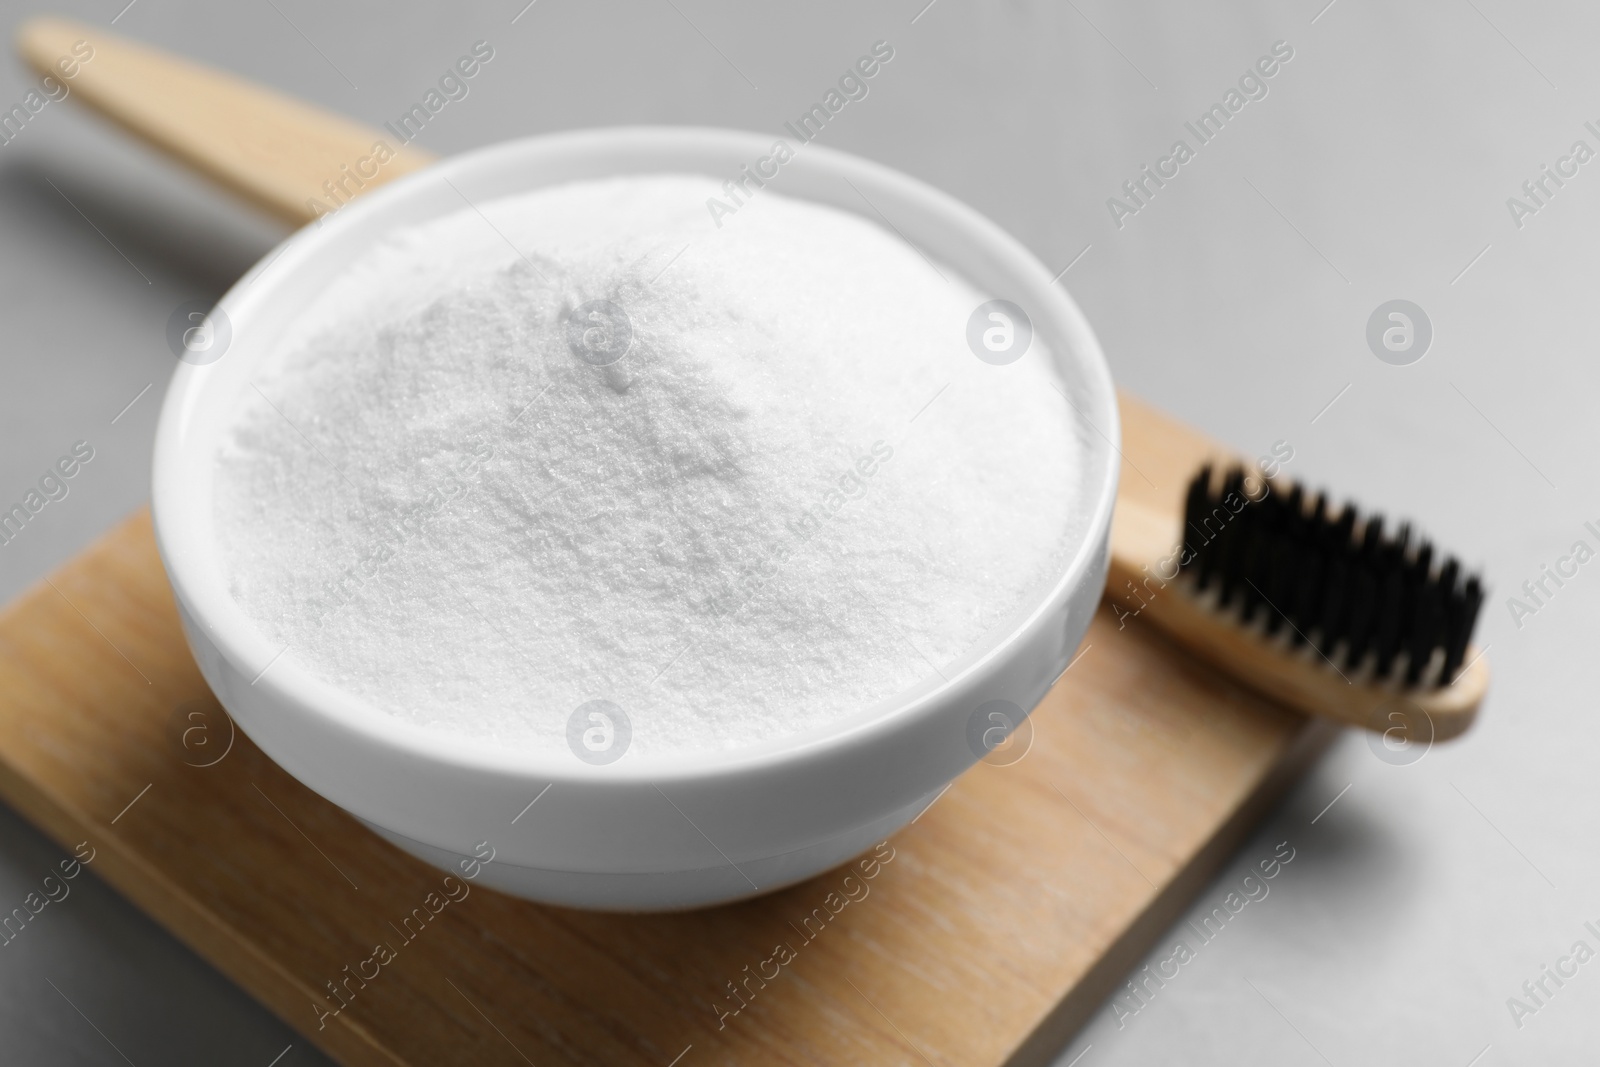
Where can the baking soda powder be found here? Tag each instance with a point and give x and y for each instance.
(579, 464)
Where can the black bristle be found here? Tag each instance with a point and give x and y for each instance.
(1203, 562)
(1273, 548)
(1364, 577)
(1422, 623)
(1309, 582)
(1288, 562)
(1461, 611)
(1253, 552)
(1391, 603)
(1229, 545)
(1329, 578)
(1333, 623)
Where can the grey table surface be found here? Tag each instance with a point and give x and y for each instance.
(1378, 165)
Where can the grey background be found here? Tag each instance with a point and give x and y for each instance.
(1378, 167)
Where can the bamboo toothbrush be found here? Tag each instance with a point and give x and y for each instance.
(1317, 609)
(1305, 600)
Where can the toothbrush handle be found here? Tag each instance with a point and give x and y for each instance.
(270, 148)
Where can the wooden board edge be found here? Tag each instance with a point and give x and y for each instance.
(182, 915)
(188, 920)
(1050, 1037)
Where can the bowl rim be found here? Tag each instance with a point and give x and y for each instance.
(185, 554)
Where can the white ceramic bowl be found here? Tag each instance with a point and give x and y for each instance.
(640, 833)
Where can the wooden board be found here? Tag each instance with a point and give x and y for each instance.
(1008, 911)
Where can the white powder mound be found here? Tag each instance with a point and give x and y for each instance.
(797, 494)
